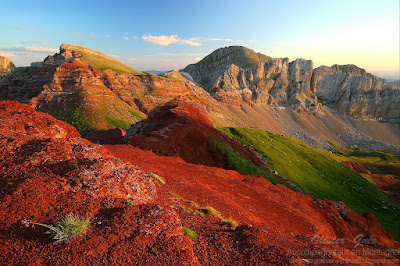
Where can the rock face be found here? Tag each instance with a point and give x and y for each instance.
(353, 91)
(280, 83)
(215, 63)
(6, 66)
(276, 82)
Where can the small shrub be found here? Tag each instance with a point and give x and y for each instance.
(190, 233)
(66, 230)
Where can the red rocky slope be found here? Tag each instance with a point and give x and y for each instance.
(47, 171)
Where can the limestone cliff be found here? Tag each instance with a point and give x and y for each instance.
(353, 91)
(296, 85)
(6, 66)
(215, 63)
(276, 82)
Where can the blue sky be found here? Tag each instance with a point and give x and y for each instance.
(166, 34)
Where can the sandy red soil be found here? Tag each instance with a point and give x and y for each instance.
(47, 171)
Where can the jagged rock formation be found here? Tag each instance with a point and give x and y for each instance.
(276, 82)
(348, 89)
(215, 63)
(6, 66)
(353, 91)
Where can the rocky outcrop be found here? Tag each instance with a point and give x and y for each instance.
(276, 82)
(184, 129)
(6, 66)
(353, 91)
(280, 83)
(215, 63)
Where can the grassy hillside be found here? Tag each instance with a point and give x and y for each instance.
(100, 110)
(238, 162)
(100, 60)
(366, 156)
(319, 175)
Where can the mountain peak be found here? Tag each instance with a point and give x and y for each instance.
(96, 59)
(215, 63)
(6, 66)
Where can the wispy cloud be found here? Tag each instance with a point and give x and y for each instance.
(126, 38)
(92, 35)
(197, 59)
(191, 43)
(168, 40)
(35, 42)
(107, 36)
(114, 55)
(6, 54)
(135, 37)
(21, 28)
(210, 39)
(40, 49)
(161, 40)
(173, 54)
(39, 29)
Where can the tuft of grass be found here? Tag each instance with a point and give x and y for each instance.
(321, 174)
(238, 162)
(210, 210)
(66, 230)
(190, 233)
(232, 223)
(130, 202)
(158, 179)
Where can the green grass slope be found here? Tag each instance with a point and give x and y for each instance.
(319, 175)
(100, 60)
(238, 162)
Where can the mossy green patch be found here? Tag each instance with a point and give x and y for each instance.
(320, 175)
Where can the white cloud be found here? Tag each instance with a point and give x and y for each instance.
(92, 35)
(127, 38)
(8, 54)
(135, 37)
(114, 55)
(107, 36)
(40, 49)
(191, 43)
(168, 40)
(131, 59)
(197, 59)
(161, 40)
